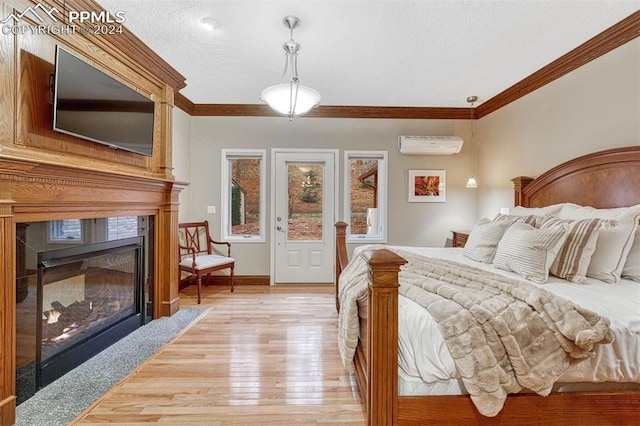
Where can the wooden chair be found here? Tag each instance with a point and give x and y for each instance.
(197, 255)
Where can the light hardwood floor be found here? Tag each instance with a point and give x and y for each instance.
(262, 355)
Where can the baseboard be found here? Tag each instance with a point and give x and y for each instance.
(169, 308)
(224, 280)
(241, 280)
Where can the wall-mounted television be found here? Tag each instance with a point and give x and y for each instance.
(89, 104)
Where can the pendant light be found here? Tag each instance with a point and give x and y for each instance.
(471, 183)
(290, 98)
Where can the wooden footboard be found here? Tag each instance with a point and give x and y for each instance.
(376, 362)
(376, 358)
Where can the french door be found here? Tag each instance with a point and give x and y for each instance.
(304, 211)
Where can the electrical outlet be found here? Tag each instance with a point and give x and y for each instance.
(211, 209)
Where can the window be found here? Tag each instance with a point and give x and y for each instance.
(122, 227)
(243, 195)
(365, 204)
(64, 231)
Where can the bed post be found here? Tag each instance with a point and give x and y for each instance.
(341, 256)
(519, 184)
(382, 333)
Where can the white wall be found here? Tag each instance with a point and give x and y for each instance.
(426, 224)
(182, 158)
(593, 108)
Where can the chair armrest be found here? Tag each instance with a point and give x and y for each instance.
(228, 244)
(193, 253)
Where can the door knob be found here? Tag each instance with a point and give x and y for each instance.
(279, 228)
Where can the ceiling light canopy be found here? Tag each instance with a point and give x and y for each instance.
(290, 98)
(209, 23)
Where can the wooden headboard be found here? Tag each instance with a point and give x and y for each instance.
(604, 179)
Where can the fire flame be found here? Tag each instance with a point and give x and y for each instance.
(52, 316)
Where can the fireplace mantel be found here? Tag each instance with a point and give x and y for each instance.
(32, 192)
(39, 191)
(45, 175)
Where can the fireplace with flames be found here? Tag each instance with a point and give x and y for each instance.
(89, 296)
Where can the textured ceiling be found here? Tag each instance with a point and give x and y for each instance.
(429, 53)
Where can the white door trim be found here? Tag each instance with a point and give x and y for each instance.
(272, 195)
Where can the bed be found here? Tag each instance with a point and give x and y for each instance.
(606, 179)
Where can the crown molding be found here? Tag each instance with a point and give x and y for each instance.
(183, 103)
(330, 111)
(126, 44)
(608, 40)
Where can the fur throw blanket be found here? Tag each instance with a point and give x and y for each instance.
(504, 334)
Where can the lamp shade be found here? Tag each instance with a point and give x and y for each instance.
(281, 99)
(471, 183)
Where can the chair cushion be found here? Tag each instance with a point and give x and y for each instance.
(207, 261)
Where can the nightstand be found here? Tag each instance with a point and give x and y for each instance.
(460, 238)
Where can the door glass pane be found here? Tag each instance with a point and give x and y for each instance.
(245, 196)
(305, 201)
(364, 196)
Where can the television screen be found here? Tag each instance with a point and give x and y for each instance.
(89, 104)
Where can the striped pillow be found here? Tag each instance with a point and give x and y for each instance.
(483, 240)
(529, 251)
(575, 254)
(614, 243)
(510, 219)
(632, 266)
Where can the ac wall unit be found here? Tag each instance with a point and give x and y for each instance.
(429, 145)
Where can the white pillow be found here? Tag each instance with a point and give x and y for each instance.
(569, 210)
(614, 244)
(552, 210)
(575, 254)
(483, 240)
(529, 251)
(631, 268)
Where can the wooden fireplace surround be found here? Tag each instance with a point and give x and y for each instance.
(46, 175)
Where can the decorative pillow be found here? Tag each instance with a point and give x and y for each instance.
(575, 254)
(511, 219)
(537, 211)
(570, 211)
(631, 268)
(528, 251)
(483, 240)
(613, 245)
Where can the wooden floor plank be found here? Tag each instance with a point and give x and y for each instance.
(262, 355)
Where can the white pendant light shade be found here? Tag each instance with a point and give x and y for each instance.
(289, 99)
(471, 183)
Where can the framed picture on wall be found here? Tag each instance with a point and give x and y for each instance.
(427, 186)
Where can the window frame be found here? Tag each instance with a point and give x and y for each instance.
(225, 194)
(382, 157)
(53, 239)
(117, 218)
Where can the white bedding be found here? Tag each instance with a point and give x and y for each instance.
(425, 364)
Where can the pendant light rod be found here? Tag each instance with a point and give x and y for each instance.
(290, 98)
(472, 183)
